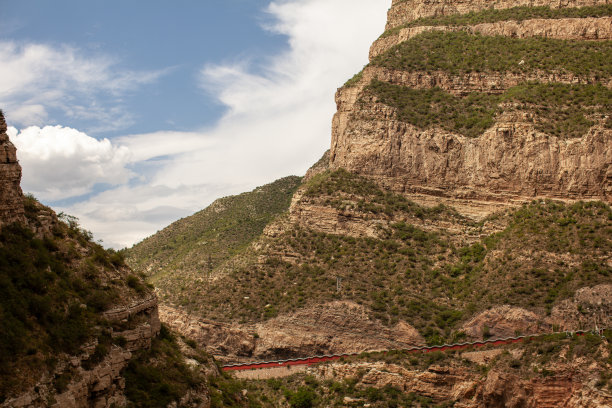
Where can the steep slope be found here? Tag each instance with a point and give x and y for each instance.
(11, 197)
(504, 104)
(77, 327)
(347, 240)
(194, 248)
(466, 195)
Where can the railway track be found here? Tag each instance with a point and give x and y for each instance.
(423, 349)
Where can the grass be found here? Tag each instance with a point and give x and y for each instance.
(461, 53)
(354, 80)
(511, 14)
(560, 109)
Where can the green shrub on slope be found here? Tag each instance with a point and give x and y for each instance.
(560, 109)
(460, 53)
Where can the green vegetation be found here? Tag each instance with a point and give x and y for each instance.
(511, 14)
(560, 109)
(354, 80)
(202, 242)
(158, 376)
(423, 277)
(461, 53)
(306, 391)
(528, 271)
(51, 296)
(339, 187)
(535, 359)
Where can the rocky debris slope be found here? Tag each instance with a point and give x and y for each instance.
(11, 197)
(332, 328)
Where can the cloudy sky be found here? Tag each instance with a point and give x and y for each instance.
(132, 114)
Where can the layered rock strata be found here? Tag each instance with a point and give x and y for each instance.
(403, 11)
(11, 196)
(564, 29)
(512, 161)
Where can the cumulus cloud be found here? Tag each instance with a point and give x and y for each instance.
(37, 77)
(60, 162)
(278, 123)
(279, 113)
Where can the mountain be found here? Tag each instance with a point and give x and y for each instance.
(466, 195)
(78, 328)
(196, 247)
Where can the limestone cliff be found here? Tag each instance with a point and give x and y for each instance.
(403, 11)
(513, 157)
(11, 197)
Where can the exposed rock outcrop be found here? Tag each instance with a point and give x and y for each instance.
(511, 161)
(11, 196)
(403, 11)
(102, 385)
(332, 328)
(91, 378)
(468, 389)
(503, 321)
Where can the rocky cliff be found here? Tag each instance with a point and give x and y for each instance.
(11, 197)
(509, 155)
(466, 195)
(79, 329)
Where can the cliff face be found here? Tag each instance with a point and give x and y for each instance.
(11, 197)
(70, 322)
(513, 158)
(403, 11)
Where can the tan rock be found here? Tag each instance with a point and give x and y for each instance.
(404, 11)
(11, 196)
(503, 321)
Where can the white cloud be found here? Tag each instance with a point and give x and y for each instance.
(37, 77)
(278, 123)
(60, 162)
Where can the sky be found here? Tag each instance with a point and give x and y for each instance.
(132, 114)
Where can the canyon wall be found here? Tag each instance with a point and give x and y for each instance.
(404, 11)
(513, 160)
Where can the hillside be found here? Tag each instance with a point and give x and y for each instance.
(77, 327)
(503, 103)
(197, 247)
(466, 195)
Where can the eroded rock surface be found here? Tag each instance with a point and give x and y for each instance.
(404, 11)
(332, 328)
(11, 196)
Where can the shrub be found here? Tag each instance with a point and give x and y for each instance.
(303, 398)
(459, 52)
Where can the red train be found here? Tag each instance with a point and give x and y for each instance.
(424, 349)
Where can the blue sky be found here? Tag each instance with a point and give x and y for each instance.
(132, 114)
